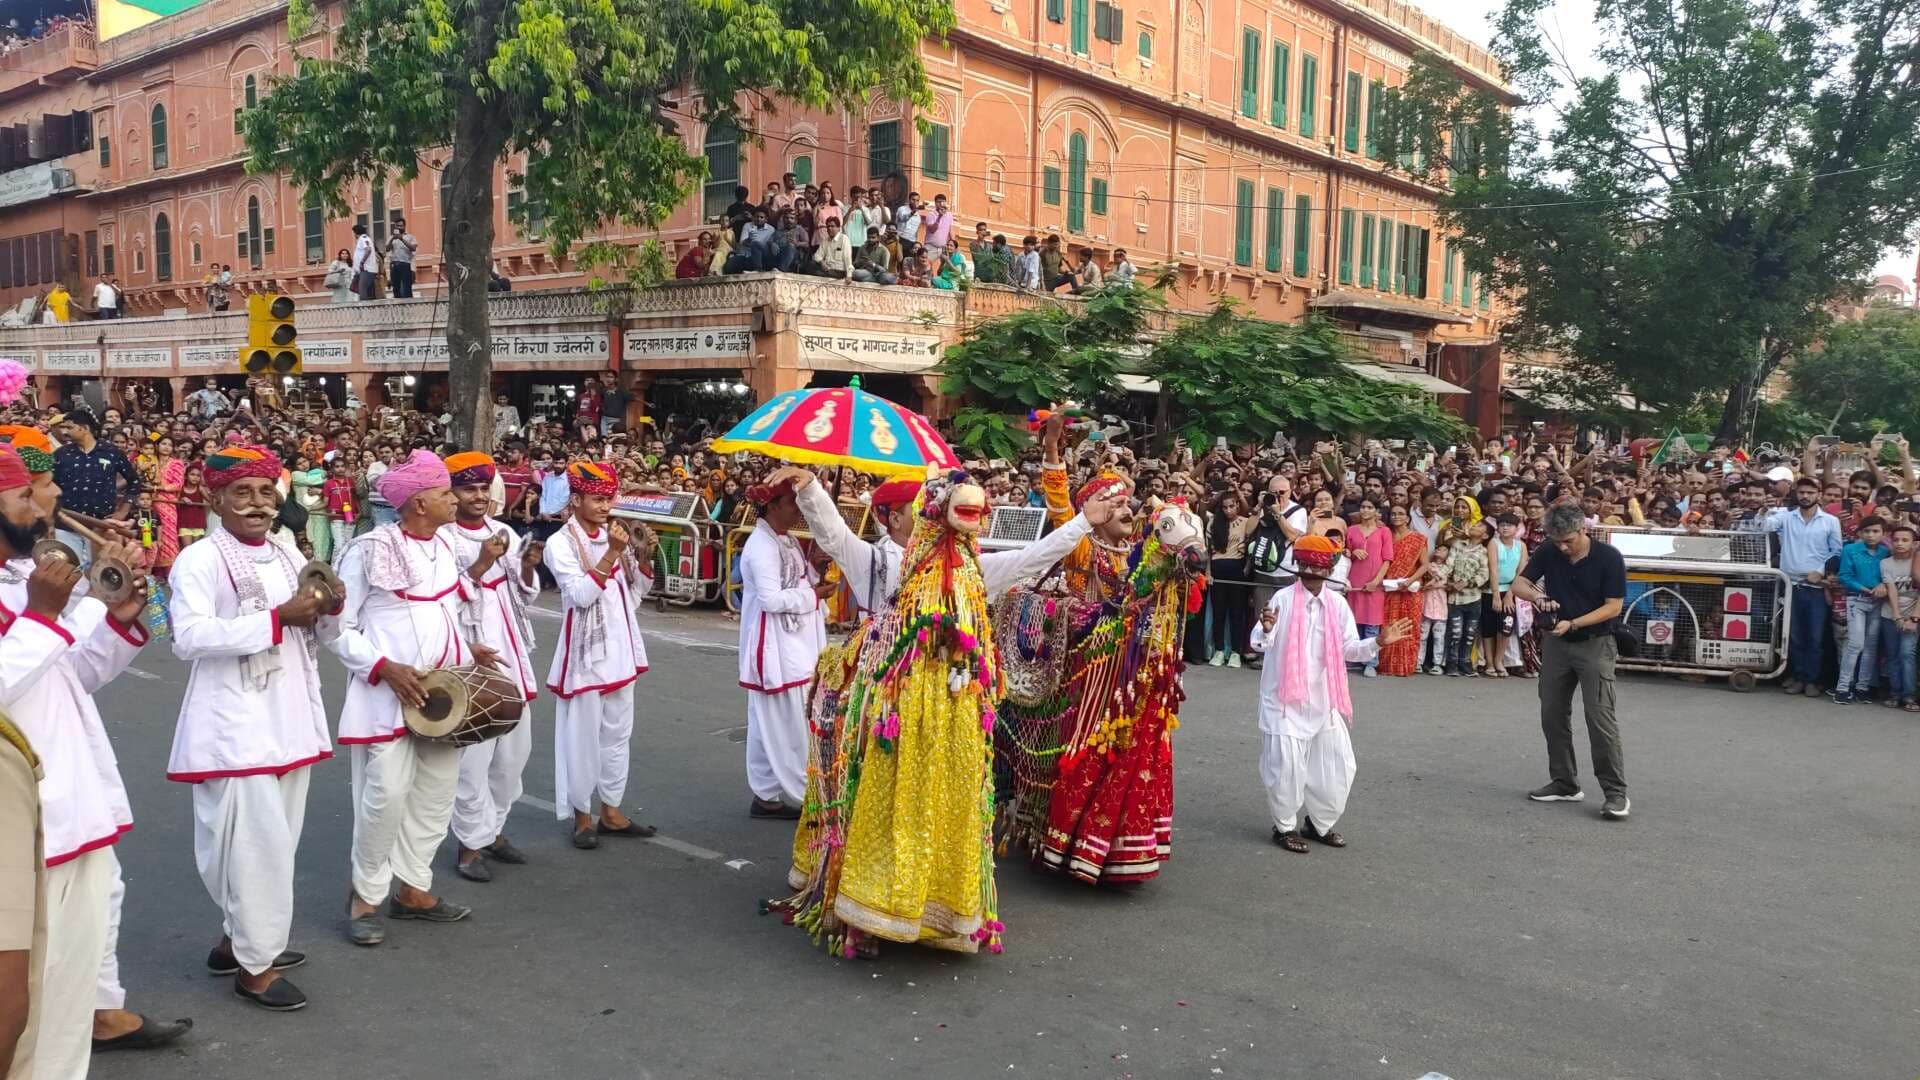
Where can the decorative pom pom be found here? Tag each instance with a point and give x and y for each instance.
(13, 379)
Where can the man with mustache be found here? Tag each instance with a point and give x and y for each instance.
(56, 650)
(782, 628)
(252, 724)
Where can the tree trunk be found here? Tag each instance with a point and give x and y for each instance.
(468, 245)
(1732, 415)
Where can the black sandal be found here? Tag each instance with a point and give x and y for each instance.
(1329, 838)
(1290, 840)
(151, 1034)
(631, 828)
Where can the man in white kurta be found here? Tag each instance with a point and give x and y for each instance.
(56, 649)
(783, 625)
(401, 619)
(602, 572)
(872, 567)
(1308, 636)
(499, 566)
(252, 723)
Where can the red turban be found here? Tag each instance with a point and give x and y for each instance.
(225, 466)
(13, 471)
(592, 478)
(1315, 552)
(895, 493)
(471, 467)
(1098, 486)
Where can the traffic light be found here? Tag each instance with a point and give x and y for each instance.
(270, 349)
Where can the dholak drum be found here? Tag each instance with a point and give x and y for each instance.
(465, 705)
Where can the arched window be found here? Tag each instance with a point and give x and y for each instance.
(162, 247)
(252, 92)
(253, 232)
(1077, 183)
(159, 132)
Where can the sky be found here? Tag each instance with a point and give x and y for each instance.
(1571, 25)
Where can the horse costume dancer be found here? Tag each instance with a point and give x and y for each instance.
(1110, 817)
(904, 848)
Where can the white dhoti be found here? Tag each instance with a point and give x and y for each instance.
(1315, 773)
(245, 832)
(591, 736)
(107, 991)
(78, 908)
(777, 745)
(402, 802)
(490, 782)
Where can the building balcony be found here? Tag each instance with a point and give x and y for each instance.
(63, 55)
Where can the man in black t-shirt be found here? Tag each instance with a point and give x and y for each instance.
(1579, 586)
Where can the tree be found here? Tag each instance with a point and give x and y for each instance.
(1865, 377)
(1242, 379)
(588, 89)
(1040, 356)
(1678, 225)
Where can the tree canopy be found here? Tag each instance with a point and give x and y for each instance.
(1865, 377)
(591, 91)
(1679, 224)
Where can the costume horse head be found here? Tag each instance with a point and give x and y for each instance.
(1174, 552)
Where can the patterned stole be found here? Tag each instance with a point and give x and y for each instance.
(244, 571)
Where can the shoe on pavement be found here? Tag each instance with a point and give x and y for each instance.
(221, 960)
(279, 996)
(503, 851)
(1369, 673)
(1811, 690)
(1436, 669)
(365, 930)
(1217, 660)
(1616, 807)
(773, 808)
(1843, 697)
(1233, 660)
(1792, 686)
(442, 910)
(150, 1035)
(1557, 792)
(474, 869)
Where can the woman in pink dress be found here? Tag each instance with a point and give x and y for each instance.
(1370, 551)
(170, 475)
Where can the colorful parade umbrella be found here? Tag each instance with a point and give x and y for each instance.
(841, 425)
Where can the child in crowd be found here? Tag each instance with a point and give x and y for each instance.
(1898, 628)
(1433, 615)
(1465, 544)
(1860, 582)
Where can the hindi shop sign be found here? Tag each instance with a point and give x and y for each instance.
(590, 348)
(855, 350)
(690, 343)
(24, 359)
(120, 359)
(209, 356)
(331, 353)
(70, 360)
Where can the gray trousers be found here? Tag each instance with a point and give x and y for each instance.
(1586, 666)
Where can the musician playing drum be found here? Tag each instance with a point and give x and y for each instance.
(499, 566)
(402, 617)
(252, 724)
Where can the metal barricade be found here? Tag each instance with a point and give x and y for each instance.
(689, 556)
(1013, 527)
(1703, 603)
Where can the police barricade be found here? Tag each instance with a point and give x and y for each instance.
(1703, 603)
(689, 556)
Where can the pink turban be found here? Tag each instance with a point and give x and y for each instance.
(422, 471)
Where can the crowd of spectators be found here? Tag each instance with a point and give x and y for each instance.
(808, 229)
(14, 36)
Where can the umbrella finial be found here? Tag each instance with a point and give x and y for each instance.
(854, 382)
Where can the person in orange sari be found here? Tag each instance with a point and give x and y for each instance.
(1409, 565)
(170, 476)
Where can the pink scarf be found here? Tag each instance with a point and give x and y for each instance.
(1293, 663)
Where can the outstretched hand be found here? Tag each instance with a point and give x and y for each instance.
(1397, 630)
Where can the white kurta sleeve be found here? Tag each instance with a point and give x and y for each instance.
(28, 647)
(1002, 570)
(106, 650)
(348, 642)
(579, 586)
(831, 535)
(761, 573)
(1261, 641)
(198, 631)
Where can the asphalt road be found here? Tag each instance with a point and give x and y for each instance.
(1753, 919)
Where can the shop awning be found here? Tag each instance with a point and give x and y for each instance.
(1358, 300)
(1552, 402)
(1412, 377)
(1139, 384)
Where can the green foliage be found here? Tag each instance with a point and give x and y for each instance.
(1865, 377)
(1678, 225)
(985, 433)
(1065, 351)
(1244, 379)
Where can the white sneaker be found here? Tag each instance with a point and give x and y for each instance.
(1233, 660)
(1369, 673)
(1218, 660)
(1436, 669)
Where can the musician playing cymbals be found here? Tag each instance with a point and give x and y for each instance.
(603, 571)
(402, 618)
(500, 568)
(252, 724)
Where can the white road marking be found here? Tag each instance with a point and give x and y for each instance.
(667, 842)
(739, 864)
(539, 803)
(138, 674)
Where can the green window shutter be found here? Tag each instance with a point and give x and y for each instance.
(1423, 254)
(1486, 296)
(1276, 229)
(802, 170)
(1466, 285)
(1249, 72)
(1077, 183)
(1056, 10)
(1346, 247)
(1376, 92)
(883, 149)
(1446, 273)
(1080, 27)
(1302, 234)
(1309, 93)
(1383, 279)
(1366, 252)
(1100, 197)
(1243, 222)
(1353, 112)
(1100, 10)
(1281, 73)
(933, 152)
(1050, 186)
(1146, 45)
